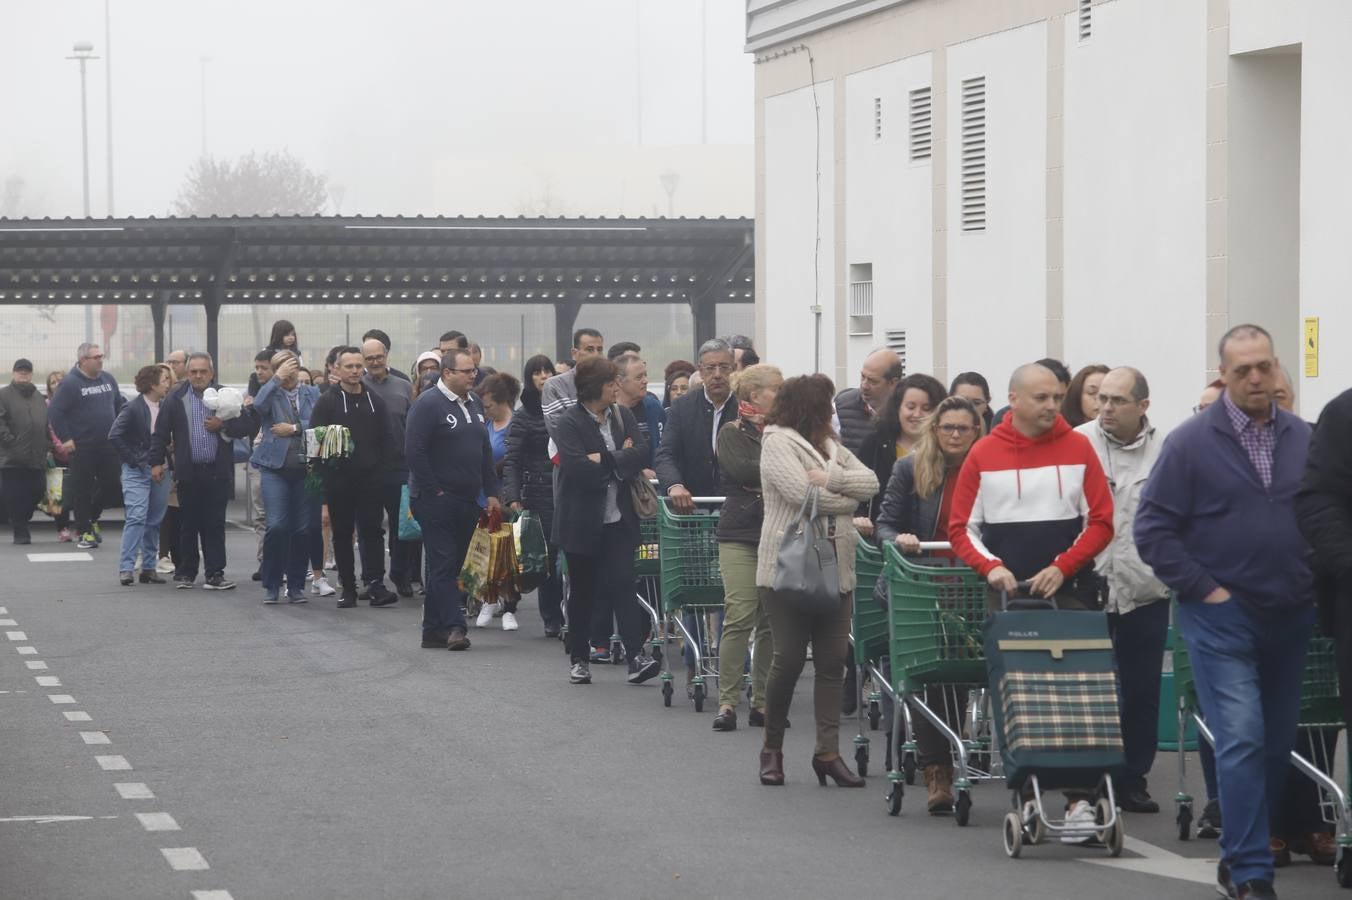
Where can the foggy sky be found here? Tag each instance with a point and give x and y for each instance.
(376, 94)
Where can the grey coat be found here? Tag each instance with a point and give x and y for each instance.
(23, 428)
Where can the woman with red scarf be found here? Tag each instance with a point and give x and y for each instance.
(739, 528)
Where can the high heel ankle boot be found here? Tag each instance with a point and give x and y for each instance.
(839, 772)
(772, 767)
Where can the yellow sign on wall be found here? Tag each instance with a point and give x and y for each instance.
(1311, 346)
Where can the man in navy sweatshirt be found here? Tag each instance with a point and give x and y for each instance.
(81, 414)
(1217, 523)
(450, 463)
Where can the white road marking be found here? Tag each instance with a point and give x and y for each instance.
(48, 820)
(9, 622)
(27, 651)
(1164, 863)
(134, 790)
(211, 895)
(77, 716)
(94, 737)
(35, 664)
(47, 680)
(60, 557)
(3, 611)
(157, 821)
(184, 859)
(113, 763)
(16, 635)
(60, 698)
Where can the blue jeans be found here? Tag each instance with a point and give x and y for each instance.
(1248, 667)
(145, 501)
(447, 525)
(286, 550)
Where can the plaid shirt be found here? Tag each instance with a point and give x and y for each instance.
(1258, 440)
(203, 442)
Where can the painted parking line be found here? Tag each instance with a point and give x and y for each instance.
(16, 635)
(36, 665)
(184, 859)
(3, 611)
(10, 622)
(59, 557)
(211, 895)
(61, 698)
(133, 790)
(76, 715)
(94, 737)
(113, 763)
(47, 680)
(157, 821)
(51, 820)
(27, 651)
(1163, 863)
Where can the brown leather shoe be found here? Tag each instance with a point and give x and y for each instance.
(457, 640)
(1281, 854)
(1319, 847)
(939, 781)
(839, 772)
(772, 767)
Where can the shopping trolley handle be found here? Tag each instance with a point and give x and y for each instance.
(935, 545)
(1027, 602)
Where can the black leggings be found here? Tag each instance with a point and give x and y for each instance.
(607, 573)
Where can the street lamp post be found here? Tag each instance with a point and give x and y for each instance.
(83, 52)
(108, 93)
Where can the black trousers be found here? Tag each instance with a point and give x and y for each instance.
(607, 573)
(21, 490)
(95, 482)
(355, 500)
(201, 513)
(1138, 646)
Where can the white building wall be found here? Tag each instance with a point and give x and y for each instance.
(997, 279)
(888, 211)
(799, 228)
(1134, 198)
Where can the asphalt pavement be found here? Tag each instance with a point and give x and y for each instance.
(157, 743)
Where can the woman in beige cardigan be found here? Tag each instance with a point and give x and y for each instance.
(799, 449)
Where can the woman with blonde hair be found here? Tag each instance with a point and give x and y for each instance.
(914, 509)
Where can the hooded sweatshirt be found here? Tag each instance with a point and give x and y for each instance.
(365, 416)
(84, 408)
(1028, 503)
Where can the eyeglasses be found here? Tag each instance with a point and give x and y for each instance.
(469, 371)
(376, 358)
(94, 356)
(957, 430)
(711, 368)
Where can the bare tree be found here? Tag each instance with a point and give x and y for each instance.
(544, 202)
(276, 182)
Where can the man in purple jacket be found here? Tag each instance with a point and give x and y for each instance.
(1217, 523)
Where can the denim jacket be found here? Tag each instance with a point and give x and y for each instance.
(271, 407)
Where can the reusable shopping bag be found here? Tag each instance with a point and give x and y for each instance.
(51, 500)
(409, 529)
(532, 553)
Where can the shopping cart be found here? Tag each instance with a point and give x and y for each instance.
(690, 582)
(647, 582)
(868, 637)
(1320, 708)
(1053, 681)
(935, 614)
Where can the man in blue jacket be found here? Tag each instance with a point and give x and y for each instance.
(450, 463)
(1217, 523)
(81, 414)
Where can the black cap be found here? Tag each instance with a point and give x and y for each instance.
(22, 365)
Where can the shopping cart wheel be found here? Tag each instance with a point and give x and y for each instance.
(563, 638)
(1114, 837)
(875, 715)
(1037, 830)
(699, 698)
(667, 691)
(616, 651)
(1343, 867)
(1184, 821)
(894, 799)
(1013, 835)
(962, 810)
(908, 767)
(861, 759)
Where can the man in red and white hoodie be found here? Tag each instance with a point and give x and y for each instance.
(1032, 504)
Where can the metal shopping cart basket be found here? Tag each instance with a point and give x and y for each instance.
(690, 582)
(935, 613)
(1054, 688)
(1320, 708)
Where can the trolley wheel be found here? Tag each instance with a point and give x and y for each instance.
(563, 638)
(1184, 821)
(861, 759)
(1113, 837)
(1037, 830)
(667, 691)
(875, 715)
(699, 698)
(748, 693)
(963, 809)
(1343, 868)
(616, 652)
(894, 799)
(908, 766)
(1013, 833)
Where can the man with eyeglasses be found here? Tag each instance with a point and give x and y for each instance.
(685, 463)
(1217, 523)
(857, 407)
(1137, 602)
(81, 415)
(397, 394)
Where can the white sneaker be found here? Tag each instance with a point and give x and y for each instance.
(1081, 815)
(486, 613)
(165, 566)
(322, 587)
(509, 622)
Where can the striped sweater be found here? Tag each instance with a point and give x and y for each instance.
(786, 457)
(1028, 503)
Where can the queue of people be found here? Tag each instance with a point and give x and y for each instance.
(1069, 491)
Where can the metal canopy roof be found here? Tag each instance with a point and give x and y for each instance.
(376, 260)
